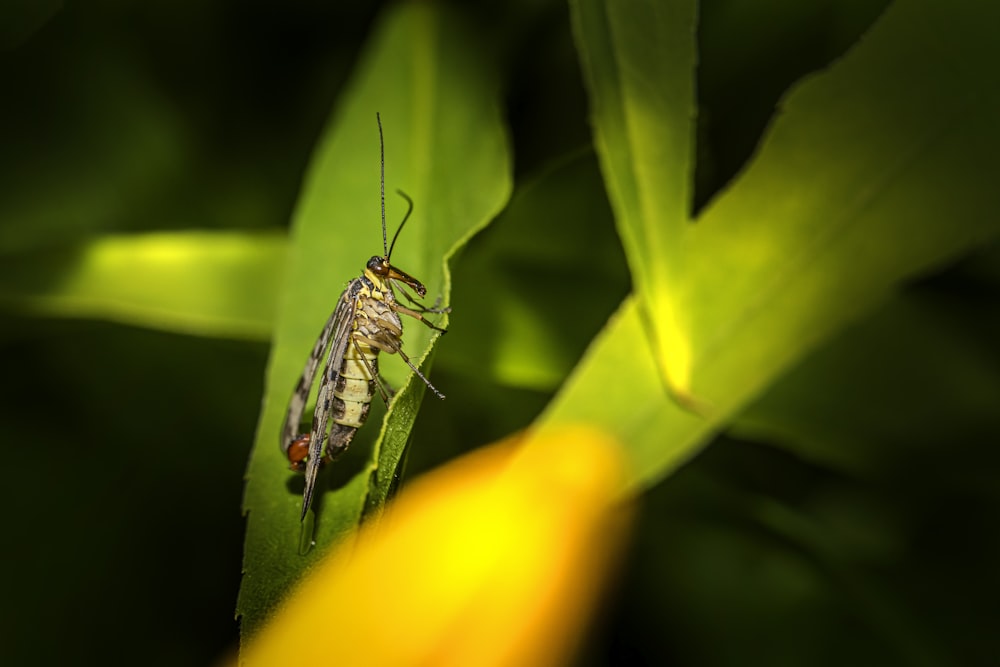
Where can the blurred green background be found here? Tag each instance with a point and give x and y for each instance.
(862, 531)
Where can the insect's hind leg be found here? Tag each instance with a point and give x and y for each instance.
(419, 374)
(384, 390)
(393, 347)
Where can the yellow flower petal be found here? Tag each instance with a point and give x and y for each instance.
(494, 559)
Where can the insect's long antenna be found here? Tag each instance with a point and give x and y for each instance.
(405, 218)
(381, 182)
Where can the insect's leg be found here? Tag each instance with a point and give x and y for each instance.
(384, 389)
(417, 316)
(419, 374)
(392, 346)
(435, 308)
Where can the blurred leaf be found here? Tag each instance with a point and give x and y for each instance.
(617, 386)
(540, 282)
(875, 171)
(748, 54)
(445, 146)
(921, 373)
(221, 284)
(870, 506)
(760, 557)
(639, 64)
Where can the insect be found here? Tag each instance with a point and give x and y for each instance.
(366, 321)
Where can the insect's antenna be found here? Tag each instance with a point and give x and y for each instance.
(405, 218)
(381, 182)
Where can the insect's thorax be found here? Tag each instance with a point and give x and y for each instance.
(375, 318)
(373, 285)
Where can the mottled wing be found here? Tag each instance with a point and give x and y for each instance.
(337, 328)
(343, 321)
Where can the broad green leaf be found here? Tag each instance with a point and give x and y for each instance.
(221, 284)
(445, 147)
(875, 171)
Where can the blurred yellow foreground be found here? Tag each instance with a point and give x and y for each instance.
(494, 559)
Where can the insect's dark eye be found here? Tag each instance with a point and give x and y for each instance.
(298, 452)
(378, 266)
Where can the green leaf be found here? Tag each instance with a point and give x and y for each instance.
(617, 388)
(918, 374)
(221, 284)
(445, 146)
(638, 60)
(533, 323)
(875, 171)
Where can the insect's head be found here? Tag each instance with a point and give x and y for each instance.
(381, 267)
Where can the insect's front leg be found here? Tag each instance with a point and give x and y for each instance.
(417, 316)
(435, 307)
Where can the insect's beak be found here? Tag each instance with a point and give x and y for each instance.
(407, 279)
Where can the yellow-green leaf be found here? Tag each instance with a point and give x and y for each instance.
(222, 284)
(875, 171)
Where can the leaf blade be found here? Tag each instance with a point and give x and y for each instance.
(218, 284)
(409, 74)
(638, 61)
(758, 288)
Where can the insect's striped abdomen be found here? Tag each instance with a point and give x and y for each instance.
(352, 397)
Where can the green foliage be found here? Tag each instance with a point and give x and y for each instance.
(537, 304)
(809, 283)
(204, 283)
(819, 227)
(447, 151)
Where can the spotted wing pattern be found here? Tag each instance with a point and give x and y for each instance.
(337, 329)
